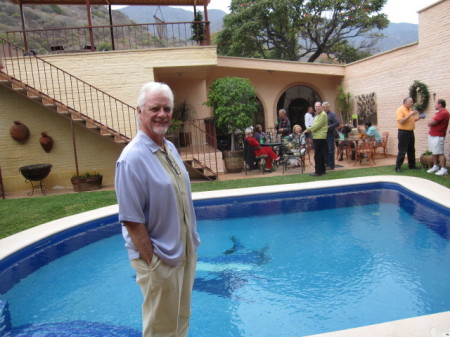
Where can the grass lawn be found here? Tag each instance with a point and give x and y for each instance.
(20, 214)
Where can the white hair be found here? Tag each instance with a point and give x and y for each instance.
(151, 87)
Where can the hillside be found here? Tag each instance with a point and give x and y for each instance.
(145, 14)
(54, 16)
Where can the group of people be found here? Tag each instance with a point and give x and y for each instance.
(406, 122)
(256, 139)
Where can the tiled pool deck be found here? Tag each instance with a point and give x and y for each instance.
(436, 325)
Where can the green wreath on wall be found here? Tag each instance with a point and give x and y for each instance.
(418, 91)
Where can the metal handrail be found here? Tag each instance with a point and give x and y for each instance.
(68, 90)
(107, 37)
(199, 144)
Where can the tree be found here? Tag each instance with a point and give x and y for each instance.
(294, 29)
(198, 28)
(234, 102)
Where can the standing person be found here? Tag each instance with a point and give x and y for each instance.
(157, 216)
(309, 120)
(333, 123)
(436, 138)
(406, 123)
(319, 130)
(284, 124)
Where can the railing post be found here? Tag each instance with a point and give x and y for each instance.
(111, 29)
(25, 41)
(208, 35)
(91, 34)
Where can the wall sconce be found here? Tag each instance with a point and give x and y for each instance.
(434, 96)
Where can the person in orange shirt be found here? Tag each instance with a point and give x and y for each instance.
(406, 123)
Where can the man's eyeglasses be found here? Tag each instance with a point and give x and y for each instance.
(173, 165)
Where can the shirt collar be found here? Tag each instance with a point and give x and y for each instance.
(149, 142)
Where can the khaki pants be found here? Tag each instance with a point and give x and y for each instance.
(167, 296)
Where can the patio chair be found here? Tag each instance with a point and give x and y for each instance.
(348, 149)
(293, 156)
(383, 143)
(308, 149)
(252, 162)
(365, 150)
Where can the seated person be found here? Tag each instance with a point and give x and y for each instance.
(298, 139)
(258, 134)
(261, 150)
(371, 132)
(346, 129)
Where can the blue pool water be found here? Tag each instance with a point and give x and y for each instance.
(290, 264)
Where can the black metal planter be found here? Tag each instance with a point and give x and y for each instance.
(37, 172)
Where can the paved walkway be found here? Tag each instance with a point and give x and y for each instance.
(380, 160)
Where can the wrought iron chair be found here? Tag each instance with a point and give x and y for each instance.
(308, 148)
(293, 155)
(252, 162)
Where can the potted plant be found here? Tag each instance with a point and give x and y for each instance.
(198, 28)
(182, 113)
(233, 100)
(345, 104)
(426, 159)
(174, 131)
(86, 181)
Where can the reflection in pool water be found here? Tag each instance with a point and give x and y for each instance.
(281, 265)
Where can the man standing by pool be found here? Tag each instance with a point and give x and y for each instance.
(319, 129)
(157, 214)
(436, 138)
(406, 123)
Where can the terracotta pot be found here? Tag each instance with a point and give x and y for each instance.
(86, 184)
(46, 142)
(19, 132)
(426, 160)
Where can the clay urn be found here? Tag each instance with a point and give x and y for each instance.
(19, 131)
(46, 142)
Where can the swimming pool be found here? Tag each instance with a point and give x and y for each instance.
(228, 274)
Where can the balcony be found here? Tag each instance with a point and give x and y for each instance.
(106, 38)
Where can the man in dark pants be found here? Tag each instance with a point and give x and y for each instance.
(333, 123)
(406, 123)
(319, 130)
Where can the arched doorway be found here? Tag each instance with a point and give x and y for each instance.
(295, 101)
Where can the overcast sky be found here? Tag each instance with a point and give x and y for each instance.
(397, 10)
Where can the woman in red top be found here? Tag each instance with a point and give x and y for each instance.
(261, 150)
